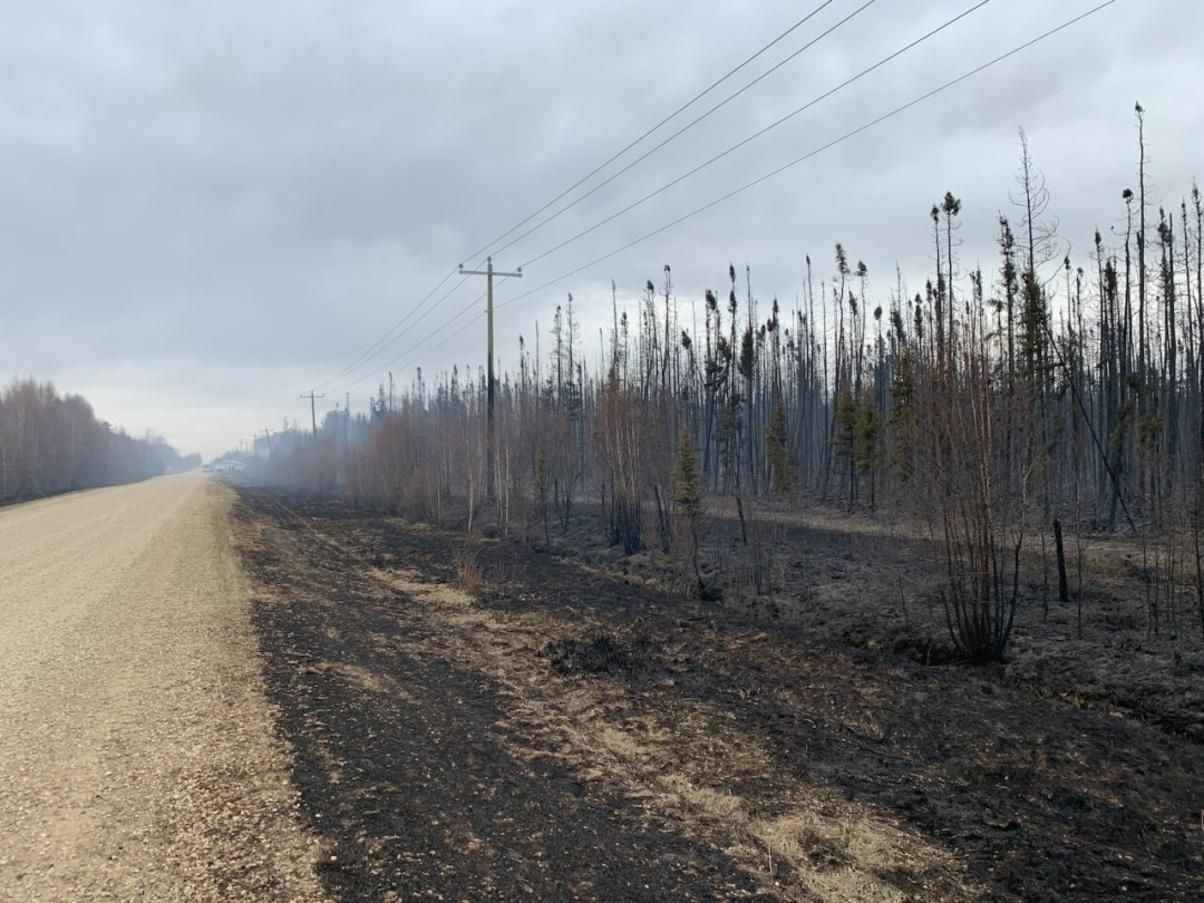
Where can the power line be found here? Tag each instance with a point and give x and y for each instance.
(795, 162)
(687, 126)
(755, 135)
(365, 355)
(384, 339)
(685, 106)
(761, 179)
(662, 144)
(447, 338)
(489, 272)
(368, 374)
(313, 411)
(422, 343)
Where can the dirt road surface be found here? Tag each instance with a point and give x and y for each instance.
(137, 755)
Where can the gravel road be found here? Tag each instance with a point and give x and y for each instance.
(137, 753)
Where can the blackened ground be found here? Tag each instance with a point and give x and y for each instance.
(569, 735)
(871, 581)
(401, 772)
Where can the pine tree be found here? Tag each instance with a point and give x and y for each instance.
(846, 423)
(778, 453)
(865, 442)
(539, 488)
(687, 491)
(903, 416)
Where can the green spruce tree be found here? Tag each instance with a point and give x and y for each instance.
(687, 492)
(778, 453)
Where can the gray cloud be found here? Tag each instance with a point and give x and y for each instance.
(212, 206)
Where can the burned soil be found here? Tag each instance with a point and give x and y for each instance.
(472, 720)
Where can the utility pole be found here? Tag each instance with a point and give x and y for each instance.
(491, 439)
(268, 435)
(313, 411)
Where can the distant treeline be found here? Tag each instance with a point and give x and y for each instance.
(51, 443)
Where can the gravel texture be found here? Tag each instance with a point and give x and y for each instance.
(137, 753)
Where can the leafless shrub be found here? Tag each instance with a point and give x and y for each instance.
(980, 506)
(466, 563)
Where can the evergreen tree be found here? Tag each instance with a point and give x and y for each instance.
(778, 453)
(687, 491)
(866, 434)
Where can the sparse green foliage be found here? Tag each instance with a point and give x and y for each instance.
(777, 450)
(846, 418)
(688, 493)
(539, 489)
(866, 434)
(687, 478)
(904, 417)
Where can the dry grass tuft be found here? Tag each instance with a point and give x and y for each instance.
(825, 852)
(467, 564)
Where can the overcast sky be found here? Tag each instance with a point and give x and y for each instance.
(210, 207)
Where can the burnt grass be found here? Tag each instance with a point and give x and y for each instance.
(420, 780)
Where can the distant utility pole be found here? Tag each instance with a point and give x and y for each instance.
(490, 441)
(267, 433)
(313, 411)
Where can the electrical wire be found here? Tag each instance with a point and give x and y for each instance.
(687, 126)
(371, 350)
(817, 151)
(681, 109)
(387, 337)
(422, 343)
(755, 135)
(763, 178)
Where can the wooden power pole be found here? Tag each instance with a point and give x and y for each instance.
(313, 411)
(491, 438)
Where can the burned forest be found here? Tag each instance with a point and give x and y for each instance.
(798, 497)
(1017, 419)
(933, 556)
